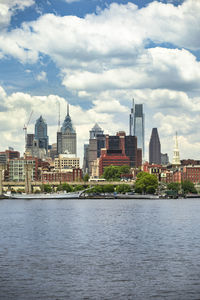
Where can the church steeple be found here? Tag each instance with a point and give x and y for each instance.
(176, 154)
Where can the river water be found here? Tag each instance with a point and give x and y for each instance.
(100, 249)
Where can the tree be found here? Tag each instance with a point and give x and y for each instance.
(188, 187)
(86, 177)
(114, 172)
(66, 187)
(174, 186)
(123, 188)
(108, 188)
(124, 170)
(78, 187)
(146, 183)
(46, 188)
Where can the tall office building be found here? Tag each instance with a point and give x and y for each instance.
(120, 150)
(176, 154)
(96, 143)
(154, 148)
(66, 138)
(96, 130)
(41, 133)
(85, 159)
(164, 159)
(136, 125)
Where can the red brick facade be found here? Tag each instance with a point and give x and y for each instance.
(113, 159)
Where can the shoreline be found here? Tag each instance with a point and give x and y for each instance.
(98, 197)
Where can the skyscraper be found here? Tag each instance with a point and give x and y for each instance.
(66, 138)
(154, 148)
(176, 154)
(41, 133)
(96, 143)
(96, 130)
(136, 125)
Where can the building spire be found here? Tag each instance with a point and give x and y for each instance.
(67, 109)
(131, 119)
(176, 154)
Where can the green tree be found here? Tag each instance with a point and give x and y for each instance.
(108, 188)
(124, 170)
(66, 187)
(97, 189)
(113, 173)
(78, 187)
(188, 187)
(123, 188)
(46, 188)
(146, 183)
(174, 186)
(86, 177)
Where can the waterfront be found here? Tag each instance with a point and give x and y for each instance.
(100, 249)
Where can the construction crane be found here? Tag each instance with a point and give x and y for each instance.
(25, 128)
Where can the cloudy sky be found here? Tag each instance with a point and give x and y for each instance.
(97, 56)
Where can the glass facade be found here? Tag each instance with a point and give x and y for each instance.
(154, 148)
(41, 133)
(137, 125)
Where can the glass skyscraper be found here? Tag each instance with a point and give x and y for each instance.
(136, 125)
(154, 148)
(41, 133)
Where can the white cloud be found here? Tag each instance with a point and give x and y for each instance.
(42, 76)
(111, 111)
(105, 58)
(19, 105)
(8, 7)
(160, 68)
(117, 35)
(109, 50)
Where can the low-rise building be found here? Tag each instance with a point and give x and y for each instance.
(66, 161)
(55, 176)
(16, 169)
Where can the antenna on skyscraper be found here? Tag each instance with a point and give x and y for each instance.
(133, 107)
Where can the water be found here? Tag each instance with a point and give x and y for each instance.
(105, 249)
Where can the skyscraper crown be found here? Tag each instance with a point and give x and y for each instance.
(67, 124)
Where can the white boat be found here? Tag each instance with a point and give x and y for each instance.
(71, 195)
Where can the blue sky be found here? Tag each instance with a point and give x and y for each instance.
(98, 55)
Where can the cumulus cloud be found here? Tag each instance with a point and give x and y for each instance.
(69, 39)
(111, 114)
(19, 105)
(111, 49)
(42, 76)
(161, 68)
(110, 57)
(8, 7)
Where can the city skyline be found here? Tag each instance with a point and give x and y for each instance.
(83, 62)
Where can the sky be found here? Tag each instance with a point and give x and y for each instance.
(97, 56)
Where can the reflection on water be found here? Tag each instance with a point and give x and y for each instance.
(107, 249)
